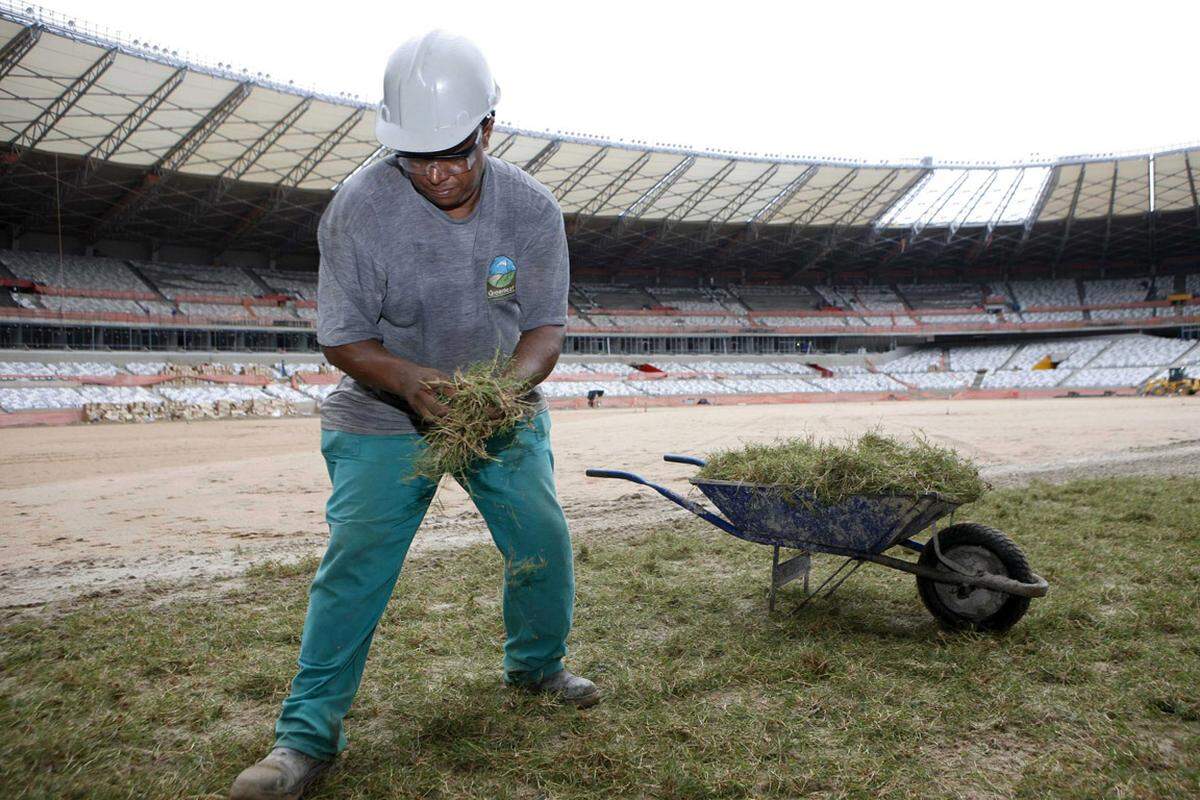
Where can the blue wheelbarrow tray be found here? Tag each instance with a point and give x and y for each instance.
(861, 524)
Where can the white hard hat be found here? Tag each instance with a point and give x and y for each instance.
(437, 88)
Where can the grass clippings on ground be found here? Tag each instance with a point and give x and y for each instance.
(483, 403)
(1092, 695)
(870, 464)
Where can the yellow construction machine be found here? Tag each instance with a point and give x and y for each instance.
(1176, 382)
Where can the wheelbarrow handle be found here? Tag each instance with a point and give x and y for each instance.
(619, 474)
(678, 459)
(679, 500)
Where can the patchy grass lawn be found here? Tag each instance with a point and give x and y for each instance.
(1093, 694)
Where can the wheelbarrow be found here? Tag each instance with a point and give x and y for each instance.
(969, 576)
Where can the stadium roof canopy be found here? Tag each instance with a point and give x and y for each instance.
(114, 140)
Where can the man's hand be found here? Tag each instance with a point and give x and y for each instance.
(420, 389)
(369, 363)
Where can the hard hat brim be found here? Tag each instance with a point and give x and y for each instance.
(396, 137)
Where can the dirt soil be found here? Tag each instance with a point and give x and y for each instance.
(105, 509)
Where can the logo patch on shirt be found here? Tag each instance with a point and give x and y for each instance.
(502, 278)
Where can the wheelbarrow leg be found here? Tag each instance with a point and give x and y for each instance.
(809, 596)
(784, 573)
(774, 571)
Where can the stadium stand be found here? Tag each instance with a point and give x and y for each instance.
(184, 390)
(302, 285)
(609, 296)
(1022, 379)
(173, 280)
(1136, 351)
(1106, 377)
(778, 298)
(1133, 290)
(977, 357)
(75, 272)
(1060, 293)
(942, 295)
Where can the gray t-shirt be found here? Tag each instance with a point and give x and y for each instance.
(440, 292)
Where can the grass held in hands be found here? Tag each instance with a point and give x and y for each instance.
(483, 403)
(870, 464)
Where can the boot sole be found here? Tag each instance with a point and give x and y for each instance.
(249, 793)
(587, 701)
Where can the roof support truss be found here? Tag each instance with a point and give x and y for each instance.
(772, 207)
(567, 184)
(908, 190)
(376, 154)
(17, 47)
(697, 196)
(237, 168)
(35, 132)
(986, 241)
(1005, 202)
(973, 203)
(848, 219)
(294, 177)
(503, 147)
(1191, 176)
(652, 195)
(542, 156)
(932, 211)
(1108, 219)
(605, 195)
(1066, 234)
(109, 145)
(126, 128)
(139, 197)
(731, 209)
(814, 210)
(257, 149)
(1038, 207)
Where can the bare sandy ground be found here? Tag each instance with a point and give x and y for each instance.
(104, 509)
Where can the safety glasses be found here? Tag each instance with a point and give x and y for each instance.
(449, 164)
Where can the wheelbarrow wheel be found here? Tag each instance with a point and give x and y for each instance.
(975, 547)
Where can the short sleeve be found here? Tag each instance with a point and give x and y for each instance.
(350, 288)
(544, 273)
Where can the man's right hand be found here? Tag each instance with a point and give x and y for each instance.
(370, 364)
(420, 386)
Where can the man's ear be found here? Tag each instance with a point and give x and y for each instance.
(487, 131)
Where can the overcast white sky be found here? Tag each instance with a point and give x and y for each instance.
(963, 80)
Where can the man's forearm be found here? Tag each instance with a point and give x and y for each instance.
(536, 353)
(370, 364)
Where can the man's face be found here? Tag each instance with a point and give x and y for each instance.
(440, 185)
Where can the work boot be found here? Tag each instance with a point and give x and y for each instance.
(283, 775)
(569, 689)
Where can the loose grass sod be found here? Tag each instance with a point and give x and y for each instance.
(483, 403)
(1092, 695)
(868, 464)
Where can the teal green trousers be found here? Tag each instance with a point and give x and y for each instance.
(373, 513)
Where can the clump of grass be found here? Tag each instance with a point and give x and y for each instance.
(484, 403)
(833, 471)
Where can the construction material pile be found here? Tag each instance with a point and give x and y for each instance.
(188, 410)
(483, 404)
(831, 472)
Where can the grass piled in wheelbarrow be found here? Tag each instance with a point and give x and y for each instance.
(858, 499)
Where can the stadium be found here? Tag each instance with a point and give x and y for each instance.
(158, 264)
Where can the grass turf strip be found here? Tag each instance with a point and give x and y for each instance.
(1093, 694)
(870, 464)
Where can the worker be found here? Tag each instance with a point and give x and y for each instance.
(433, 258)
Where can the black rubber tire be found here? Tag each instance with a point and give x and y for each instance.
(1000, 546)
